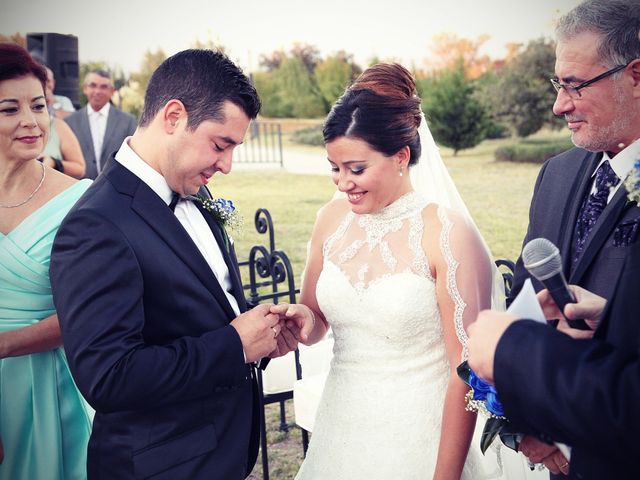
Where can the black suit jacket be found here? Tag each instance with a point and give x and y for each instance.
(145, 326)
(563, 183)
(119, 126)
(581, 392)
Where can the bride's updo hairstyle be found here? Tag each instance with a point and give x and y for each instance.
(380, 108)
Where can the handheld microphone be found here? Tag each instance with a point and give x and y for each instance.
(542, 259)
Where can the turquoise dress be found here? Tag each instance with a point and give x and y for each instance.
(44, 421)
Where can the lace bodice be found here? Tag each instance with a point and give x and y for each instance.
(373, 246)
(369, 248)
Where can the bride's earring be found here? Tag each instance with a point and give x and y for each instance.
(400, 173)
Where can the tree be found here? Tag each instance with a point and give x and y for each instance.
(297, 91)
(267, 87)
(273, 61)
(448, 49)
(334, 74)
(520, 95)
(456, 119)
(150, 62)
(309, 55)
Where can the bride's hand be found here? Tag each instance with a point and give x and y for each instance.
(298, 319)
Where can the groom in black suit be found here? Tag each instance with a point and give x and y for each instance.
(149, 296)
(579, 202)
(580, 392)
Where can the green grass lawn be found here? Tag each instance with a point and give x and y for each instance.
(497, 194)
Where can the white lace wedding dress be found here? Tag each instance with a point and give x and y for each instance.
(380, 413)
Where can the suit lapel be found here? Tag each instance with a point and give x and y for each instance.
(160, 218)
(601, 231)
(229, 257)
(580, 189)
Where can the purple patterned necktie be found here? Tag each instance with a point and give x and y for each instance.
(592, 207)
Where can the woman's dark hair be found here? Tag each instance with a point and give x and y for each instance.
(380, 108)
(16, 62)
(202, 80)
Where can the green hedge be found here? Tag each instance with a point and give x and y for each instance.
(309, 136)
(534, 151)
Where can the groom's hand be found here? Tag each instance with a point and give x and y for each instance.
(258, 330)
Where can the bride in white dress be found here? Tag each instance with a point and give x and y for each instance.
(398, 279)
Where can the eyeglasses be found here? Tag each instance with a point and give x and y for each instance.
(574, 91)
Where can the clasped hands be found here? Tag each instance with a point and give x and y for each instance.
(269, 330)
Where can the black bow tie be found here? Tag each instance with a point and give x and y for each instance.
(175, 198)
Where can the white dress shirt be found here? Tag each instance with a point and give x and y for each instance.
(621, 164)
(98, 126)
(187, 214)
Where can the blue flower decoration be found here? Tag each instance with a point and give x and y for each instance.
(223, 211)
(483, 398)
(483, 391)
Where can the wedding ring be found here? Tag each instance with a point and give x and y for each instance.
(275, 332)
(566, 464)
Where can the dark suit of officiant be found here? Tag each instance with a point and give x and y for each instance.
(173, 396)
(581, 392)
(562, 185)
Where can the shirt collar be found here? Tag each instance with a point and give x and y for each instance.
(136, 165)
(624, 161)
(104, 110)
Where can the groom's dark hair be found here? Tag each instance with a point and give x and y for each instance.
(203, 80)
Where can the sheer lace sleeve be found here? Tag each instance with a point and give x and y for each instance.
(468, 268)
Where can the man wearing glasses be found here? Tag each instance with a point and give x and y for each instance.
(581, 205)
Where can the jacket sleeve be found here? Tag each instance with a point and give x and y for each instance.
(580, 392)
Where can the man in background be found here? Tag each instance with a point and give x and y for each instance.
(99, 126)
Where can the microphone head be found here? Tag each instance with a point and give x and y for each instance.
(541, 258)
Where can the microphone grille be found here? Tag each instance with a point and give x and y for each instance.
(541, 258)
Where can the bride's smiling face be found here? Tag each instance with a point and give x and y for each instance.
(370, 179)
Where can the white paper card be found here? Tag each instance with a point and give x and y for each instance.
(526, 304)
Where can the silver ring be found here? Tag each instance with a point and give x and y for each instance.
(275, 332)
(566, 464)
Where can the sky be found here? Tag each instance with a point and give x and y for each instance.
(119, 31)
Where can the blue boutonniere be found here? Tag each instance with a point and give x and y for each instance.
(224, 213)
(483, 398)
(632, 184)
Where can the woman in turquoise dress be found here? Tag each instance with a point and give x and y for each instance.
(44, 421)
